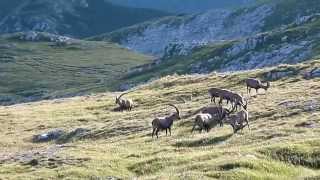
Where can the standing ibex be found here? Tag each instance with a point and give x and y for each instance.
(256, 84)
(124, 104)
(165, 123)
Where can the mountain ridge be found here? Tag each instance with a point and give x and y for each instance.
(79, 18)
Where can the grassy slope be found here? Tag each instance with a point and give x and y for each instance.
(120, 143)
(39, 69)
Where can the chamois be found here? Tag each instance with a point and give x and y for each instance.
(237, 120)
(124, 104)
(256, 84)
(165, 123)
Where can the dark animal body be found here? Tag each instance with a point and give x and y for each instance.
(165, 123)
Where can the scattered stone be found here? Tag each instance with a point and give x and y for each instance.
(73, 135)
(105, 178)
(307, 124)
(49, 136)
(33, 162)
(289, 104)
(284, 39)
(311, 105)
(279, 74)
(314, 73)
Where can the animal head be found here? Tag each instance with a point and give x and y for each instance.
(177, 114)
(118, 98)
(245, 106)
(267, 86)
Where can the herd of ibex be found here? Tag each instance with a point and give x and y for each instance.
(209, 117)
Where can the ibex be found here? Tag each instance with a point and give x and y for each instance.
(124, 104)
(203, 121)
(237, 120)
(239, 100)
(214, 93)
(256, 84)
(210, 118)
(165, 123)
(217, 110)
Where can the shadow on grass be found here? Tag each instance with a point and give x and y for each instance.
(113, 132)
(295, 156)
(203, 142)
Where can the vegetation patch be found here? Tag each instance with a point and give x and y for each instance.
(307, 155)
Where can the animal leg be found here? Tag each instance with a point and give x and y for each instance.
(193, 128)
(170, 131)
(157, 133)
(153, 131)
(220, 101)
(166, 132)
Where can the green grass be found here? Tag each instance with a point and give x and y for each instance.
(119, 143)
(41, 70)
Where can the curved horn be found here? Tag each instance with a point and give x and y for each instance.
(123, 94)
(175, 108)
(245, 106)
(233, 109)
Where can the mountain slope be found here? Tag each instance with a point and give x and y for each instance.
(283, 142)
(296, 44)
(34, 70)
(73, 18)
(190, 31)
(182, 6)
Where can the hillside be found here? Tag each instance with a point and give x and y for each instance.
(283, 142)
(42, 68)
(79, 18)
(190, 31)
(294, 44)
(183, 6)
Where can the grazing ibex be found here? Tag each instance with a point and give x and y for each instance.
(165, 123)
(124, 104)
(237, 120)
(202, 121)
(256, 84)
(218, 110)
(224, 94)
(210, 118)
(214, 93)
(239, 100)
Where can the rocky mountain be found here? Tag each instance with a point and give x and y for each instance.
(183, 6)
(77, 18)
(270, 33)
